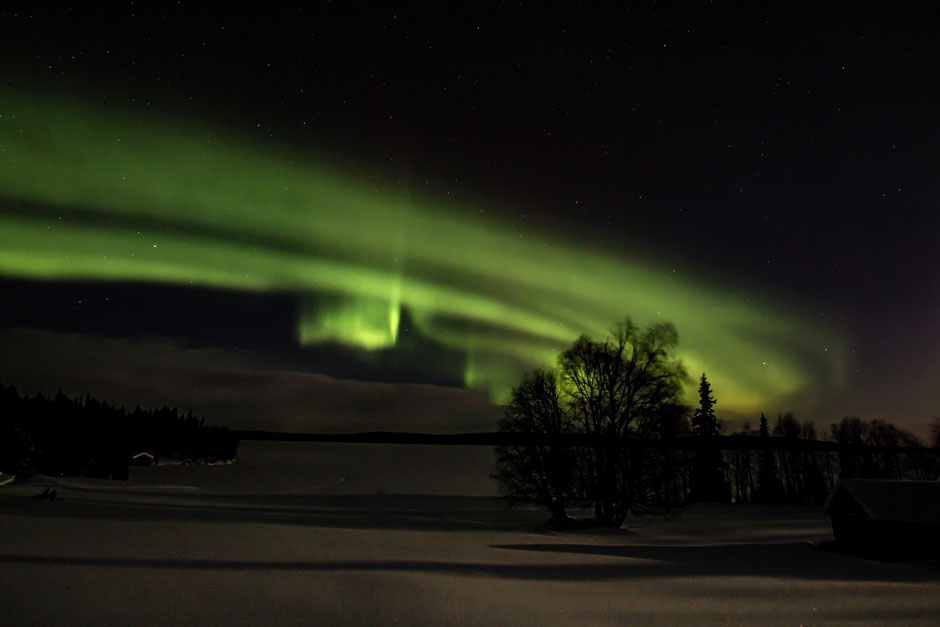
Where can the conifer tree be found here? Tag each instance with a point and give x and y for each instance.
(710, 481)
(768, 488)
(704, 420)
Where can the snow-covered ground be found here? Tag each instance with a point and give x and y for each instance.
(353, 534)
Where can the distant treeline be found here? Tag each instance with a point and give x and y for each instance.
(786, 463)
(62, 436)
(789, 463)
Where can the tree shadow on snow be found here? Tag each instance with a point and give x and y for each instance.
(392, 512)
(800, 561)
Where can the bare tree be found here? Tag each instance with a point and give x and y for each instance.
(541, 471)
(606, 393)
(614, 390)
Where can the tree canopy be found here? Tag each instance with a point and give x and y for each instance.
(627, 385)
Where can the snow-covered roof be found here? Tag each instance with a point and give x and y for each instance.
(883, 500)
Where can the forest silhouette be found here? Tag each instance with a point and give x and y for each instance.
(62, 436)
(606, 429)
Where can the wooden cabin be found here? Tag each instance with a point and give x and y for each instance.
(885, 515)
(143, 458)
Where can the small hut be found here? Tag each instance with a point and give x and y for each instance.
(886, 515)
(142, 458)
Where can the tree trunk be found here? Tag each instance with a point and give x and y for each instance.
(558, 512)
(619, 516)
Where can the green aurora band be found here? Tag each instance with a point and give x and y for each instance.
(88, 195)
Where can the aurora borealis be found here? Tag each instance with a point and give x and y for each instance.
(95, 197)
(95, 192)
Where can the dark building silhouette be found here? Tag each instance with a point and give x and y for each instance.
(886, 516)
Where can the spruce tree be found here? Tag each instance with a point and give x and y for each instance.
(768, 488)
(710, 482)
(704, 420)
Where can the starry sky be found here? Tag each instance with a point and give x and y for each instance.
(346, 218)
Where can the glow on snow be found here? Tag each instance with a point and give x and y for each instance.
(86, 195)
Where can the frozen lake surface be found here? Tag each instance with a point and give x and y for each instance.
(333, 534)
(338, 468)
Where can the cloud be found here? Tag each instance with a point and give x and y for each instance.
(230, 386)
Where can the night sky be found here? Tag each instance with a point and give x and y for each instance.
(354, 218)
